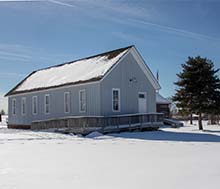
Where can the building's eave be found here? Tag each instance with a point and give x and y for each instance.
(13, 90)
(145, 68)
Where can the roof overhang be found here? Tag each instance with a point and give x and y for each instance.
(96, 78)
(145, 68)
(131, 50)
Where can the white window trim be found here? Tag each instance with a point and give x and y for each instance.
(119, 100)
(82, 111)
(13, 107)
(68, 93)
(144, 93)
(45, 104)
(33, 97)
(23, 99)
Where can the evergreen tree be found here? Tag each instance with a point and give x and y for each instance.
(198, 87)
(2, 112)
(214, 110)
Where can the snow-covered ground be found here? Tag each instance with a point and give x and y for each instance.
(3, 123)
(170, 158)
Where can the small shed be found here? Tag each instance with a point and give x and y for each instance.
(163, 105)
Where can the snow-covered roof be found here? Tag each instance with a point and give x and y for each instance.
(80, 71)
(161, 100)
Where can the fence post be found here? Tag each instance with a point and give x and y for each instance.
(103, 121)
(129, 122)
(84, 124)
(97, 125)
(141, 120)
(87, 124)
(68, 124)
(118, 119)
(150, 119)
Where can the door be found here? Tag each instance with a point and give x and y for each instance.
(142, 102)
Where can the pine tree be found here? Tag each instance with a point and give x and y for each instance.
(215, 110)
(2, 112)
(198, 87)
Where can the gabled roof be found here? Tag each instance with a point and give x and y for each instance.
(161, 100)
(90, 69)
(145, 68)
(84, 70)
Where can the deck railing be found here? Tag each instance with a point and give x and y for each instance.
(102, 123)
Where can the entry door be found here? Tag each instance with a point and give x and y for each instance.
(142, 102)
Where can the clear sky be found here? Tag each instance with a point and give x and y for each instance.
(37, 34)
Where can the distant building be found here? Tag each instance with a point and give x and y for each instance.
(163, 105)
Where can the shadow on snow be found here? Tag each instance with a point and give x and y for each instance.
(170, 136)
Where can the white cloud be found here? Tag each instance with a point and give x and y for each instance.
(14, 52)
(26, 54)
(127, 37)
(62, 3)
(11, 74)
(4, 53)
(174, 30)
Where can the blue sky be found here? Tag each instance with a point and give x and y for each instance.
(37, 34)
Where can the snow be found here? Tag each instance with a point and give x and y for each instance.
(94, 134)
(169, 159)
(3, 123)
(161, 100)
(81, 70)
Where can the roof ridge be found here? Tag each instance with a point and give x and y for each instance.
(88, 57)
(110, 53)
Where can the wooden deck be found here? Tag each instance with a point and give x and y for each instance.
(173, 123)
(109, 124)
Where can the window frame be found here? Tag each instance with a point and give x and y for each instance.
(23, 111)
(45, 105)
(119, 99)
(68, 102)
(14, 104)
(142, 93)
(80, 110)
(33, 112)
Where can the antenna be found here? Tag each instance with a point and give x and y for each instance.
(157, 75)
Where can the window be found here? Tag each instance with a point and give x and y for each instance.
(47, 104)
(23, 105)
(34, 105)
(66, 102)
(141, 95)
(13, 106)
(115, 100)
(82, 100)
